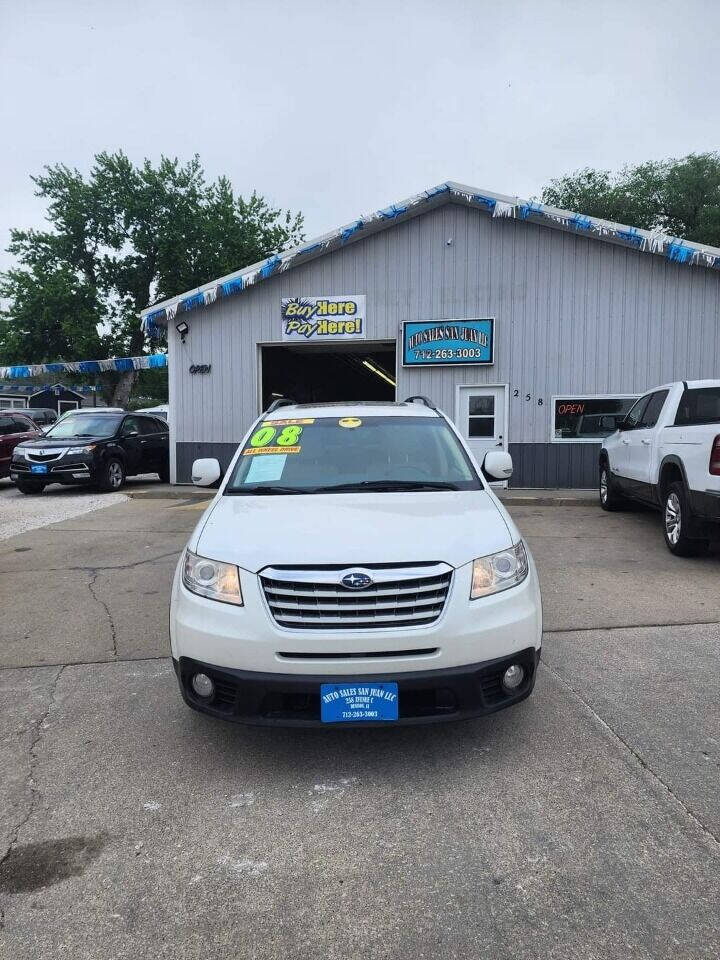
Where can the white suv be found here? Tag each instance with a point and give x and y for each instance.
(355, 567)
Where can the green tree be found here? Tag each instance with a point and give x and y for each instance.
(118, 240)
(680, 197)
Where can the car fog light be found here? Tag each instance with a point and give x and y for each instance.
(513, 677)
(203, 685)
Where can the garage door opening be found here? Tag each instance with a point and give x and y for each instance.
(312, 373)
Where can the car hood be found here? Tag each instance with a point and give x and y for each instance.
(352, 528)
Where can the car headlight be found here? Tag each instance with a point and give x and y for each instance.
(212, 578)
(499, 571)
(83, 450)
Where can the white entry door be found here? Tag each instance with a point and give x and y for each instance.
(481, 419)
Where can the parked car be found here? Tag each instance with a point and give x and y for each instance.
(14, 428)
(161, 410)
(41, 416)
(85, 448)
(355, 567)
(666, 453)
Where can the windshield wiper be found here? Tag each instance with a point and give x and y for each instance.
(387, 486)
(265, 489)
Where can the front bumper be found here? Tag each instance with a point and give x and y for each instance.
(293, 700)
(65, 470)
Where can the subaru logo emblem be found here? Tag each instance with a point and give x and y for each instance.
(357, 580)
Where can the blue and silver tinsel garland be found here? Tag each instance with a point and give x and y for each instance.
(656, 242)
(154, 361)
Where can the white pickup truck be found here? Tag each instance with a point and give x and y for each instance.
(666, 452)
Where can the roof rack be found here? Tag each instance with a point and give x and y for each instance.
(423, 399)
(280, 402)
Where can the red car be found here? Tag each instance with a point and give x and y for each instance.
(14, 428)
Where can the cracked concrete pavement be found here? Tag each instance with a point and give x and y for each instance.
(583, 823)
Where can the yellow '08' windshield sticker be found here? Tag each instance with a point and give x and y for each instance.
(275, 437)
(349, 422)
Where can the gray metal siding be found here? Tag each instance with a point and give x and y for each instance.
(573, 315)
(555, 464)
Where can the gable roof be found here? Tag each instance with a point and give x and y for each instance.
(23, 388)
(493, 204)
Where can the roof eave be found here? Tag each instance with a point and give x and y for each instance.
(494, 204)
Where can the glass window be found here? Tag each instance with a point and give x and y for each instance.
(147, 425)
(481, 427)
(482, 406)
(701, 405)
(481, 416)
(6, 426)
(23, 425)
(637, 411)
(329, 453)
(132, 425)
(652, 410)
(588, 418)
(84, 425)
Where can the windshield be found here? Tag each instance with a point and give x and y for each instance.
(345, 454)
(85, 425)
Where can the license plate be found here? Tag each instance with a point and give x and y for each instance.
(357, 702)
(38, 468)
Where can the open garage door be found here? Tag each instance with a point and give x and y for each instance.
(321, 373)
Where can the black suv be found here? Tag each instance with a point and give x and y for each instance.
(93, 447)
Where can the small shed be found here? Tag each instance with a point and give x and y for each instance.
(19, 394)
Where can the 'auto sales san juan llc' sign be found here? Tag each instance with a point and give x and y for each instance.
(323, 318)
(441, 343)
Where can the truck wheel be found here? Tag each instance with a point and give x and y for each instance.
(610, 499)
(677, 522)
(112, 476)
(27, 486)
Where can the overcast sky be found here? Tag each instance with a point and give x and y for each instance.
(337, 108)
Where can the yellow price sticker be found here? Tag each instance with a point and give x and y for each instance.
(350, 422)
(287, 423)
(250, 451)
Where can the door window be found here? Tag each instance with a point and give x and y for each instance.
(481, 416)
(698, 405)
(147, 425)
(652, 410)
(22, 425)
(6, 426)
(131, 425)
(636, 414)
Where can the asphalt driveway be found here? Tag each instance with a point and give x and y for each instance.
(583, 823)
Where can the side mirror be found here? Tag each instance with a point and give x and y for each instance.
(497, 465)
(206, 472)
(131, 433)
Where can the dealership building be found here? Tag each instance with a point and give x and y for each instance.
(532, 328)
